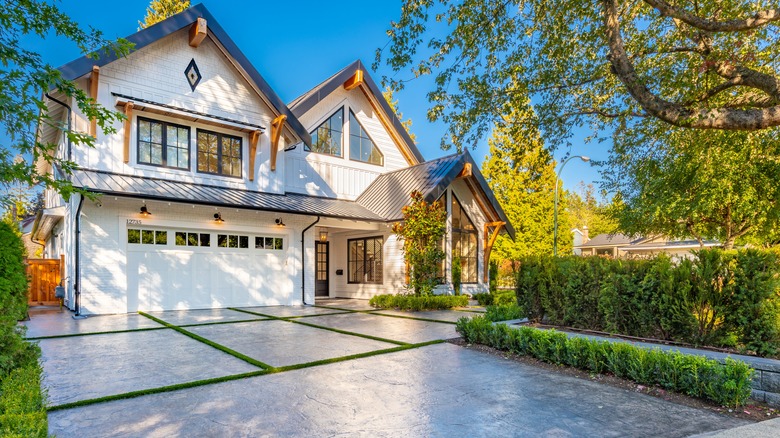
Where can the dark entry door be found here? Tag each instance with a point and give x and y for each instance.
(321, 274)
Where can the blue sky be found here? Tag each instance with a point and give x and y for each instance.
(297, 44)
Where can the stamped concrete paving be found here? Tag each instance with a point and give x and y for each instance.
(438, 315)
(438, 390)
(86, 367)
(60, 323)
(398, 329)
(281, 343)
(287, 311)
(202, 316)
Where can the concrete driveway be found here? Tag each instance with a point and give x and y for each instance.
(336, 369)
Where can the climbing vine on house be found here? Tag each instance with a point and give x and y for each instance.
(421, 231)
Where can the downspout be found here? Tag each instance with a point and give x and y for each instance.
(77, 283)
(303, 262)
(70, 118)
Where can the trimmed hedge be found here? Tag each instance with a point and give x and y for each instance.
(498, 298)
(718, 298)
(728, 383)
(417, 303)
(22, 408)
(504, 313)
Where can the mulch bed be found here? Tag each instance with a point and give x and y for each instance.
(754, 411)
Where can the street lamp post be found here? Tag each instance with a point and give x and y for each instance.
(555, 213)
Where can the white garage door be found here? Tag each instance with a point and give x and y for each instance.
(170, 269)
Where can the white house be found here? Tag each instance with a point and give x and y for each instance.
(215, 193)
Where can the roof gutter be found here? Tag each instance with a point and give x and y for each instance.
(303, 261)
(70, 114)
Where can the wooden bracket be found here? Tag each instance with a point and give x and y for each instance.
(198, 32)
(253, 139)
(466, 172)
(354, 80)
(128, 130)
(490, 239)
(94, 80)
(276, 133)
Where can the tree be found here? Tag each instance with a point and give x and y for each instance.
(707, 185)
(407, 124)
(422, 231)
(25, 77)
(588, 211)
(159, 10)
(710, 65)
(521, 173)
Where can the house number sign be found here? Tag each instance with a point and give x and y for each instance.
(134, 222)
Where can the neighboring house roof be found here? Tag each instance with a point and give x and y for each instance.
(671, 245)
(391, 191)
(616, 239)
(201, 194)
(305, 102)
(81, 66)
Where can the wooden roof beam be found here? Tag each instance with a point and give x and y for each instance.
(354, 81)
(198, 32)
(466, 171)
(490, 239)
(94, 80)
(276, 133)
(253, 139)
(128, 130)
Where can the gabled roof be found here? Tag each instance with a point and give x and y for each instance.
(81, 66)
(616, 239)
(390, 192)
(306, 101)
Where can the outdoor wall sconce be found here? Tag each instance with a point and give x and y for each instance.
(279, 222)
(218, 218)
(323, 235)
(145, 212)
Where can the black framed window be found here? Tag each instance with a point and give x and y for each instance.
(184, 238)
(361, 147)
(328, 137)
(464, 242)
(163, 144)
(147, 237)
(219, 154)
(364, 259)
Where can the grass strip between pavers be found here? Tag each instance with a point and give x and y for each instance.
(204, 382)
(198, 324)
(339, 308)
(322, 327)
(108, 332)
(210, 343)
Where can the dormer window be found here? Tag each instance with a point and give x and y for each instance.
(361, 147)
(328, 138)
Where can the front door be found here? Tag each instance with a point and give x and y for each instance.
(321, 274)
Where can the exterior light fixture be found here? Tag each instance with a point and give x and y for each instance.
(218, 218)
(279, 222)
(145, 212)
(323, 235)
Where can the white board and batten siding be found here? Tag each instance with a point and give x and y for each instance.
(156, 73)
(326, 175)
(120, 277)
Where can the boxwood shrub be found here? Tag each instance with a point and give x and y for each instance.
(718, 298)
(728, 383)
(417, 303)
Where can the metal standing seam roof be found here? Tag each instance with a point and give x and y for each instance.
(616, 239)
(81, 66)
(390, 192)
(154, 188)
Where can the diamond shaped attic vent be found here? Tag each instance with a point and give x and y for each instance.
(193, 74)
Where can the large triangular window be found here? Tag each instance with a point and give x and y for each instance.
(361, 147)
(328, 138)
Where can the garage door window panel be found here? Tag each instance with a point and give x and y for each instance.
(146, 237)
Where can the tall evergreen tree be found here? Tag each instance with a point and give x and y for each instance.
(587, 210)
(159, 10)
(521, 173)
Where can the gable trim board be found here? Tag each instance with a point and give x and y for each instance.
(84, 65)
